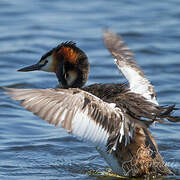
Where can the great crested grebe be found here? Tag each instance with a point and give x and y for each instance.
(113, 117)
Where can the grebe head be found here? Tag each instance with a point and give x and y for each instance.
(69, 63)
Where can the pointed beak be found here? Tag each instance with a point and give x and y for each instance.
(34, 67)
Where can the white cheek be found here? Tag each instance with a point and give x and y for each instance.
(49, 66)
(71, 78)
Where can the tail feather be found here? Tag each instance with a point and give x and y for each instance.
(173, 118)
(166, 113)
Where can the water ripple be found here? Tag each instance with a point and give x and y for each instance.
(33, 149)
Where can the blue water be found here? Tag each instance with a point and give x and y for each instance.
(31, 149)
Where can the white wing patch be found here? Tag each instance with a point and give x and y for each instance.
(138, 84)
(87, 129)
(126, 63)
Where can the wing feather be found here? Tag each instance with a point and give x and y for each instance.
(126, 62)
(77, 111)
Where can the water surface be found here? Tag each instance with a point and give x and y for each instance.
(32, 149)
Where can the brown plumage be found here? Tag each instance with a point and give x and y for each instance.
(114, 117)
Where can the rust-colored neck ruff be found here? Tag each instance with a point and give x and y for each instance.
(69, 54)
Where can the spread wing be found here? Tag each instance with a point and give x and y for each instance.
(126, 62)
(80, 113)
